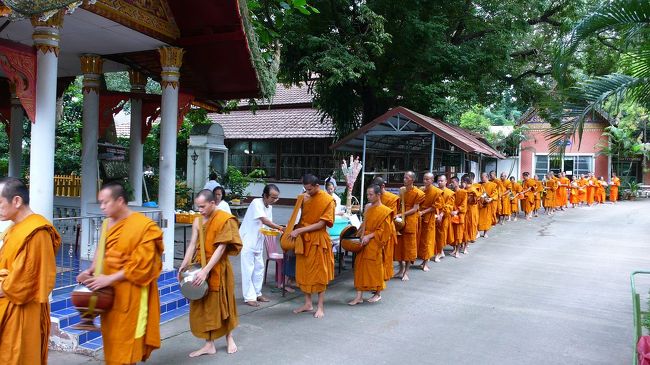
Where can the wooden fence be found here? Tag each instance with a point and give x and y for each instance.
(67, 185)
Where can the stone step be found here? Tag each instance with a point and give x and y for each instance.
(64, 316)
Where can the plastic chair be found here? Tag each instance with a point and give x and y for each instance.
(274, 253)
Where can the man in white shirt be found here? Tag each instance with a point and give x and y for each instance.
(212, 182)
(259, 214)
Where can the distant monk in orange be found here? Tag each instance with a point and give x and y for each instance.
(377, 231)
(474, 191)
(214, 315)
(506, 192)
(562, 192)
(444, 233)
(496, 203)
(591, 189)
(601, 191)
(582, 189)
(550, 186)
(392, 202)
(314, 268)
(428, 216)
(529, 187)
(133, 260)
(407, 242)
(539, 189)
(515, 198)
(613, 188)
(27, 274)
(574, 192)
(490, 193)
(458, 218)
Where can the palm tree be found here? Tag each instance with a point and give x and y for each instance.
(629, 19)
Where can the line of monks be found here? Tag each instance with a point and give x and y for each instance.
(454, 213)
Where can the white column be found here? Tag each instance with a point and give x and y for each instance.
(16, 137)
(91, 67)
(138, 81)
(41, 161)
(170, 60)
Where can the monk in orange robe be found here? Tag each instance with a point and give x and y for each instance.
(474, 191)
(539, 189)
(315, 266)
(444, 233)
(132, 264)
(529, 187)
(27, 275)
(602, 190)
(496, 204)
(582, 189)
(376, 232)
(613, 188)
(591, 189)
(407, 242)
(392, 202)
(458, 217)
(506, 193)
(574, 194)
(562, 193)
(485, 215)
(515, 197)
(214, 315)
(550, 186)
(428, 216)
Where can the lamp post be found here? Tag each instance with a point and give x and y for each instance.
(194, 156)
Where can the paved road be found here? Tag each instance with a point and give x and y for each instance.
(554, 290)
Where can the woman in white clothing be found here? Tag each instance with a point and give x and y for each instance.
(258, 215)
(219, 194)
(330, 187)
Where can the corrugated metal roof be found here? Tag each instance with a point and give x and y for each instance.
(274, 123)
(462, 138)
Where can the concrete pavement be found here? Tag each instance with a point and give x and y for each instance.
(554, 290)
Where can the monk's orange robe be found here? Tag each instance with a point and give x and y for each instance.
(591, 190)
(514, 202)
(407, 242)
(131, 328)
(506, 206)
(392, 202)
(427, 239)
(458, 229)
(315, 268)
(599, 192)
(582, 190)
(574, 193)
(471, 218)
(528, 203)
(562, 193)
(496, 204)
(368, 264)
(613, 189)
(538, 196)
(485, 215)
(444, 235)
(27, 275)
(215, 315)
(549, 197)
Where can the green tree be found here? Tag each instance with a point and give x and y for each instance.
(475, 121)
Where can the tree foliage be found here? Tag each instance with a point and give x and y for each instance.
(363, 57)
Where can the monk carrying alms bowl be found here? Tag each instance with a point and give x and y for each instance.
(90, 304)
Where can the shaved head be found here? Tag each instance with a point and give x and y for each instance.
(117, 190)
(11, 187)
(206, 194)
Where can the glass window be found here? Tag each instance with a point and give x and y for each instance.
(541, 165)
(583, 164)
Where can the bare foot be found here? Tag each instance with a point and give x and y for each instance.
(425, 268)
(375, 298)
(515, 219)
(405, 277)
(355, 301)
(485, 235)
(465, 252)
(320, 313)
(399, 274)
(207, 349)
(252, 303)
(289, 289)
(304, 308)
(436, 259)
(232, 347)
(263, 299)
(456, 255)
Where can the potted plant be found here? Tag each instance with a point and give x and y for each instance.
(236, 182)
(634, 189)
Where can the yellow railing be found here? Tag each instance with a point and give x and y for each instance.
(67, 185)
